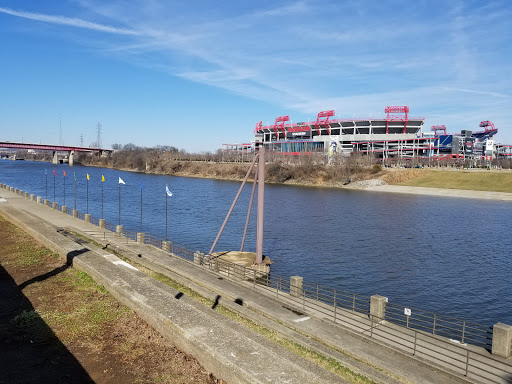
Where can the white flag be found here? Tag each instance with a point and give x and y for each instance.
(121, 181)
(167, 190)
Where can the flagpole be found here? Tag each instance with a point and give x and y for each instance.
(87, 195)
(64, 189)
(75, 191)
(46, 174)
(166, 216)
(102, 199)
(54, 185)
(140, 228)
(119, 203)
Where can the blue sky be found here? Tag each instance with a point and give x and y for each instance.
(198, 74)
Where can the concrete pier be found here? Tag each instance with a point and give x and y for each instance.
(54, 205)
(119, 229)
(140, 237)
(64, 209)
(75, 213)
(101, 223)
(87, 217)
(47, 202)
(166, 246)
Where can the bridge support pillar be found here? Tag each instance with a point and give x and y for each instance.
(55, 158)
(71, 155)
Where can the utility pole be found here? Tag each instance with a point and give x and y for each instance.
(60, 131)
(98, 140)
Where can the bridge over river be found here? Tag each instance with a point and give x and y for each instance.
(70, 150)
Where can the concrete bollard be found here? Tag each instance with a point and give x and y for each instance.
(101, 223)
(64, 209)
(47, 202)
(140, 237)
(54, 205)
(502, 340)
(119, 229)
(87, 217)
(20, 192)
(75, 213)
(378, 307)
(32, 197)
(198, 257)
(166, 246)
(26, 195)
(16, 191)
(39, 199)
(296, 286)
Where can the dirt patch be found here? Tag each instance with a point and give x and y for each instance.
(58, 326)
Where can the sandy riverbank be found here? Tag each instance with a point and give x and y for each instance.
(443, 192)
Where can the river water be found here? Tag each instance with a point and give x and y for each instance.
(446, 255)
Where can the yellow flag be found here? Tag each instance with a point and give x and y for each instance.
(87, 176)
(102, 178)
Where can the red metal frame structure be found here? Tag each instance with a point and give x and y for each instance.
(392, 115)
(487, 124)
(438, 128)
(258, 127)
(323, 118)
(279, 126)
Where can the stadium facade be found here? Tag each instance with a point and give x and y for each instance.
(396, 135)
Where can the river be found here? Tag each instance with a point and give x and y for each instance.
(446, 255)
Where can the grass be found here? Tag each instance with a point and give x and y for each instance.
(471, 180)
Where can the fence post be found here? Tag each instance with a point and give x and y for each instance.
(296, 286)
(502, 340)
(463, 331)
(334, 302)
(467, 362)
(415, 341)
(378, 307)
(434, 325)
(198, 257)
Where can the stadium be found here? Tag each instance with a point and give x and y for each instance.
(396, 135)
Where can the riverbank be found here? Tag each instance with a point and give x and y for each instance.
(475, 183)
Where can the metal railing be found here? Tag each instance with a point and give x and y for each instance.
(95, 221)
(446, 326)
(153, 240)
(131, 235)
(110, 227)
(445, 353)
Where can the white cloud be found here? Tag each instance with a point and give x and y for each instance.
(68, 21)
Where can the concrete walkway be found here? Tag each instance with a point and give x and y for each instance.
(229, 350)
